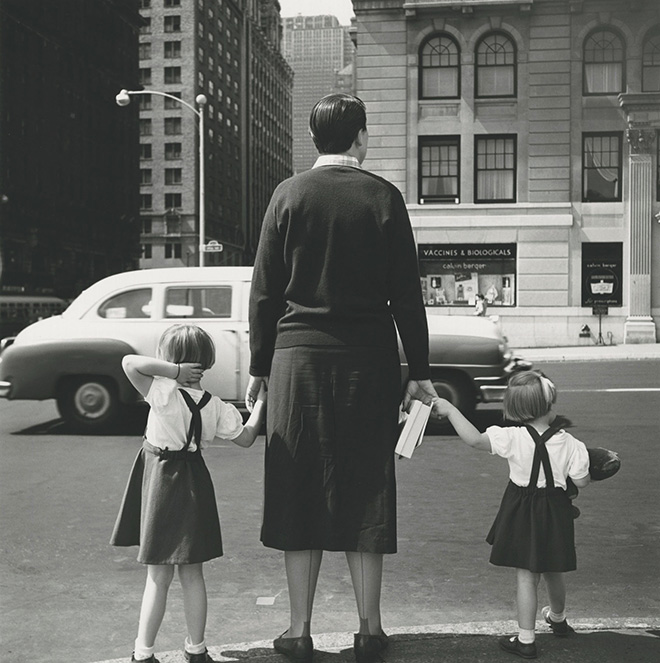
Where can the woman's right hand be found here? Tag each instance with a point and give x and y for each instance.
(420, 390)
(253, 391)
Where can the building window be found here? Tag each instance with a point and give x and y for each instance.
(495, 66)
(145, 201)
(172, 126)
(146, 251)
(604, 56)
(172, 24)
(170, 104)
(172, 151)
(172, 49)
(440, 68)
(145, 151)
(173, 176)
(145, 28)
(145, 127)
(145, 4)
(145, 76)
(172, 250)
(145, 175)
(601, 167)
(651, 62)
(144, 102)
(145, 51)
(172, 201)
(172, 75)
(146, 226)
(439, 169)
(495, 172)
(172, 3)
(657, 166)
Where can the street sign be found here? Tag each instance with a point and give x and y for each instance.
(212, 247)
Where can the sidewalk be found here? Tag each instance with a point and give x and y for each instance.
(640, 351)
(606, 641)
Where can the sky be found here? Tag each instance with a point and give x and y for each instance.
(342, 9)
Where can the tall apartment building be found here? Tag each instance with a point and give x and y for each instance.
(225, 50)
(319, 50)
(524, 137)
(68, 154)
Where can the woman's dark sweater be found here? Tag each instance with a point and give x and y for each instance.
(337, 265)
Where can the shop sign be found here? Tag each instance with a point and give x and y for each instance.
(453, 274)
(602, 270)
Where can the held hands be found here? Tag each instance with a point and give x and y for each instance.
(189, 374)
(256, 391)
(441, 407)
(421, 390)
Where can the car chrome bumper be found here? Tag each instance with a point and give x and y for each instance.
(494, 393)
(5, 389)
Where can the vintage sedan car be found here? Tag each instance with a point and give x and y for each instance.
(75, 357)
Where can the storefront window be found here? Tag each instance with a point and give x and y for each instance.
(453, 274)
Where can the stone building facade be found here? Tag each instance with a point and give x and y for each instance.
(524, 137)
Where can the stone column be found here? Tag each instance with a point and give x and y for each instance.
(640, 327)
(642, 115)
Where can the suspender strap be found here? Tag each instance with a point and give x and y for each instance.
(195, 429)
(541, 456)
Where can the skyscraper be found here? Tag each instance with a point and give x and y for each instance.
(228, 51)
(318, 48)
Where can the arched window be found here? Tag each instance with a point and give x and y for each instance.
(651, 62)
(495, 66)
(440, 68)
(604, 56)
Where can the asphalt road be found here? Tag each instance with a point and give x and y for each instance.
(66, 595)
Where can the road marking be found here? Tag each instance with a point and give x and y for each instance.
(614, 391)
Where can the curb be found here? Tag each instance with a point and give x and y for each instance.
(333, 643)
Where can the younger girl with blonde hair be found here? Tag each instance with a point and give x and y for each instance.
(534, 528)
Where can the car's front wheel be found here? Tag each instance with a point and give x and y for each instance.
(88, 403)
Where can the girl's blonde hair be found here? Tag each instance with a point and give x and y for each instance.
(529, 395)
(187, 343)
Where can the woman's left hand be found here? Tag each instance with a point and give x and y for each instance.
(252, 392)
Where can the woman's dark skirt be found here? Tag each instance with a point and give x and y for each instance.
(169, 509)
(331, 431)
(534, 530)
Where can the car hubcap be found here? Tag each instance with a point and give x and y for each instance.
(92, 400)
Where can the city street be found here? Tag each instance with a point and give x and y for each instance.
(66, 595)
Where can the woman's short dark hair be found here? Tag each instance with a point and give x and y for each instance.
(335, 122)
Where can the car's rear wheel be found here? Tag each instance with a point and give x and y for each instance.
(89, 403)
(457, 389)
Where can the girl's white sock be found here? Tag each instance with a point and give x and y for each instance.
(141, 652)
(195, 649)
(526, 636)
(557, 617)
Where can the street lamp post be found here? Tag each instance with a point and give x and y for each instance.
(124, 98)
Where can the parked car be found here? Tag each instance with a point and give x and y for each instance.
(75, 357)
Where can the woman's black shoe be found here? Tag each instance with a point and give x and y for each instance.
(368, 648)
(299, 649)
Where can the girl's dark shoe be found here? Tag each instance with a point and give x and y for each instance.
(514, 646)
(560, 629)
(198, 658)
(299, 650)
(151, 659)
(368, 648)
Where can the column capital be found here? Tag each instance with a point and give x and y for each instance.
(641, 141)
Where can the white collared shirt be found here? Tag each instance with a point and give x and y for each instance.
(337, 160)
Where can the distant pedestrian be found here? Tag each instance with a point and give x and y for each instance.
(534, 528)
(169, 507)
(480, 305)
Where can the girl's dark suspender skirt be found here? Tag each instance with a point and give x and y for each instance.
(534, 527)
(169, 507)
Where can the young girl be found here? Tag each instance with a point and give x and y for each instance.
(169, 506)
(533, 531)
